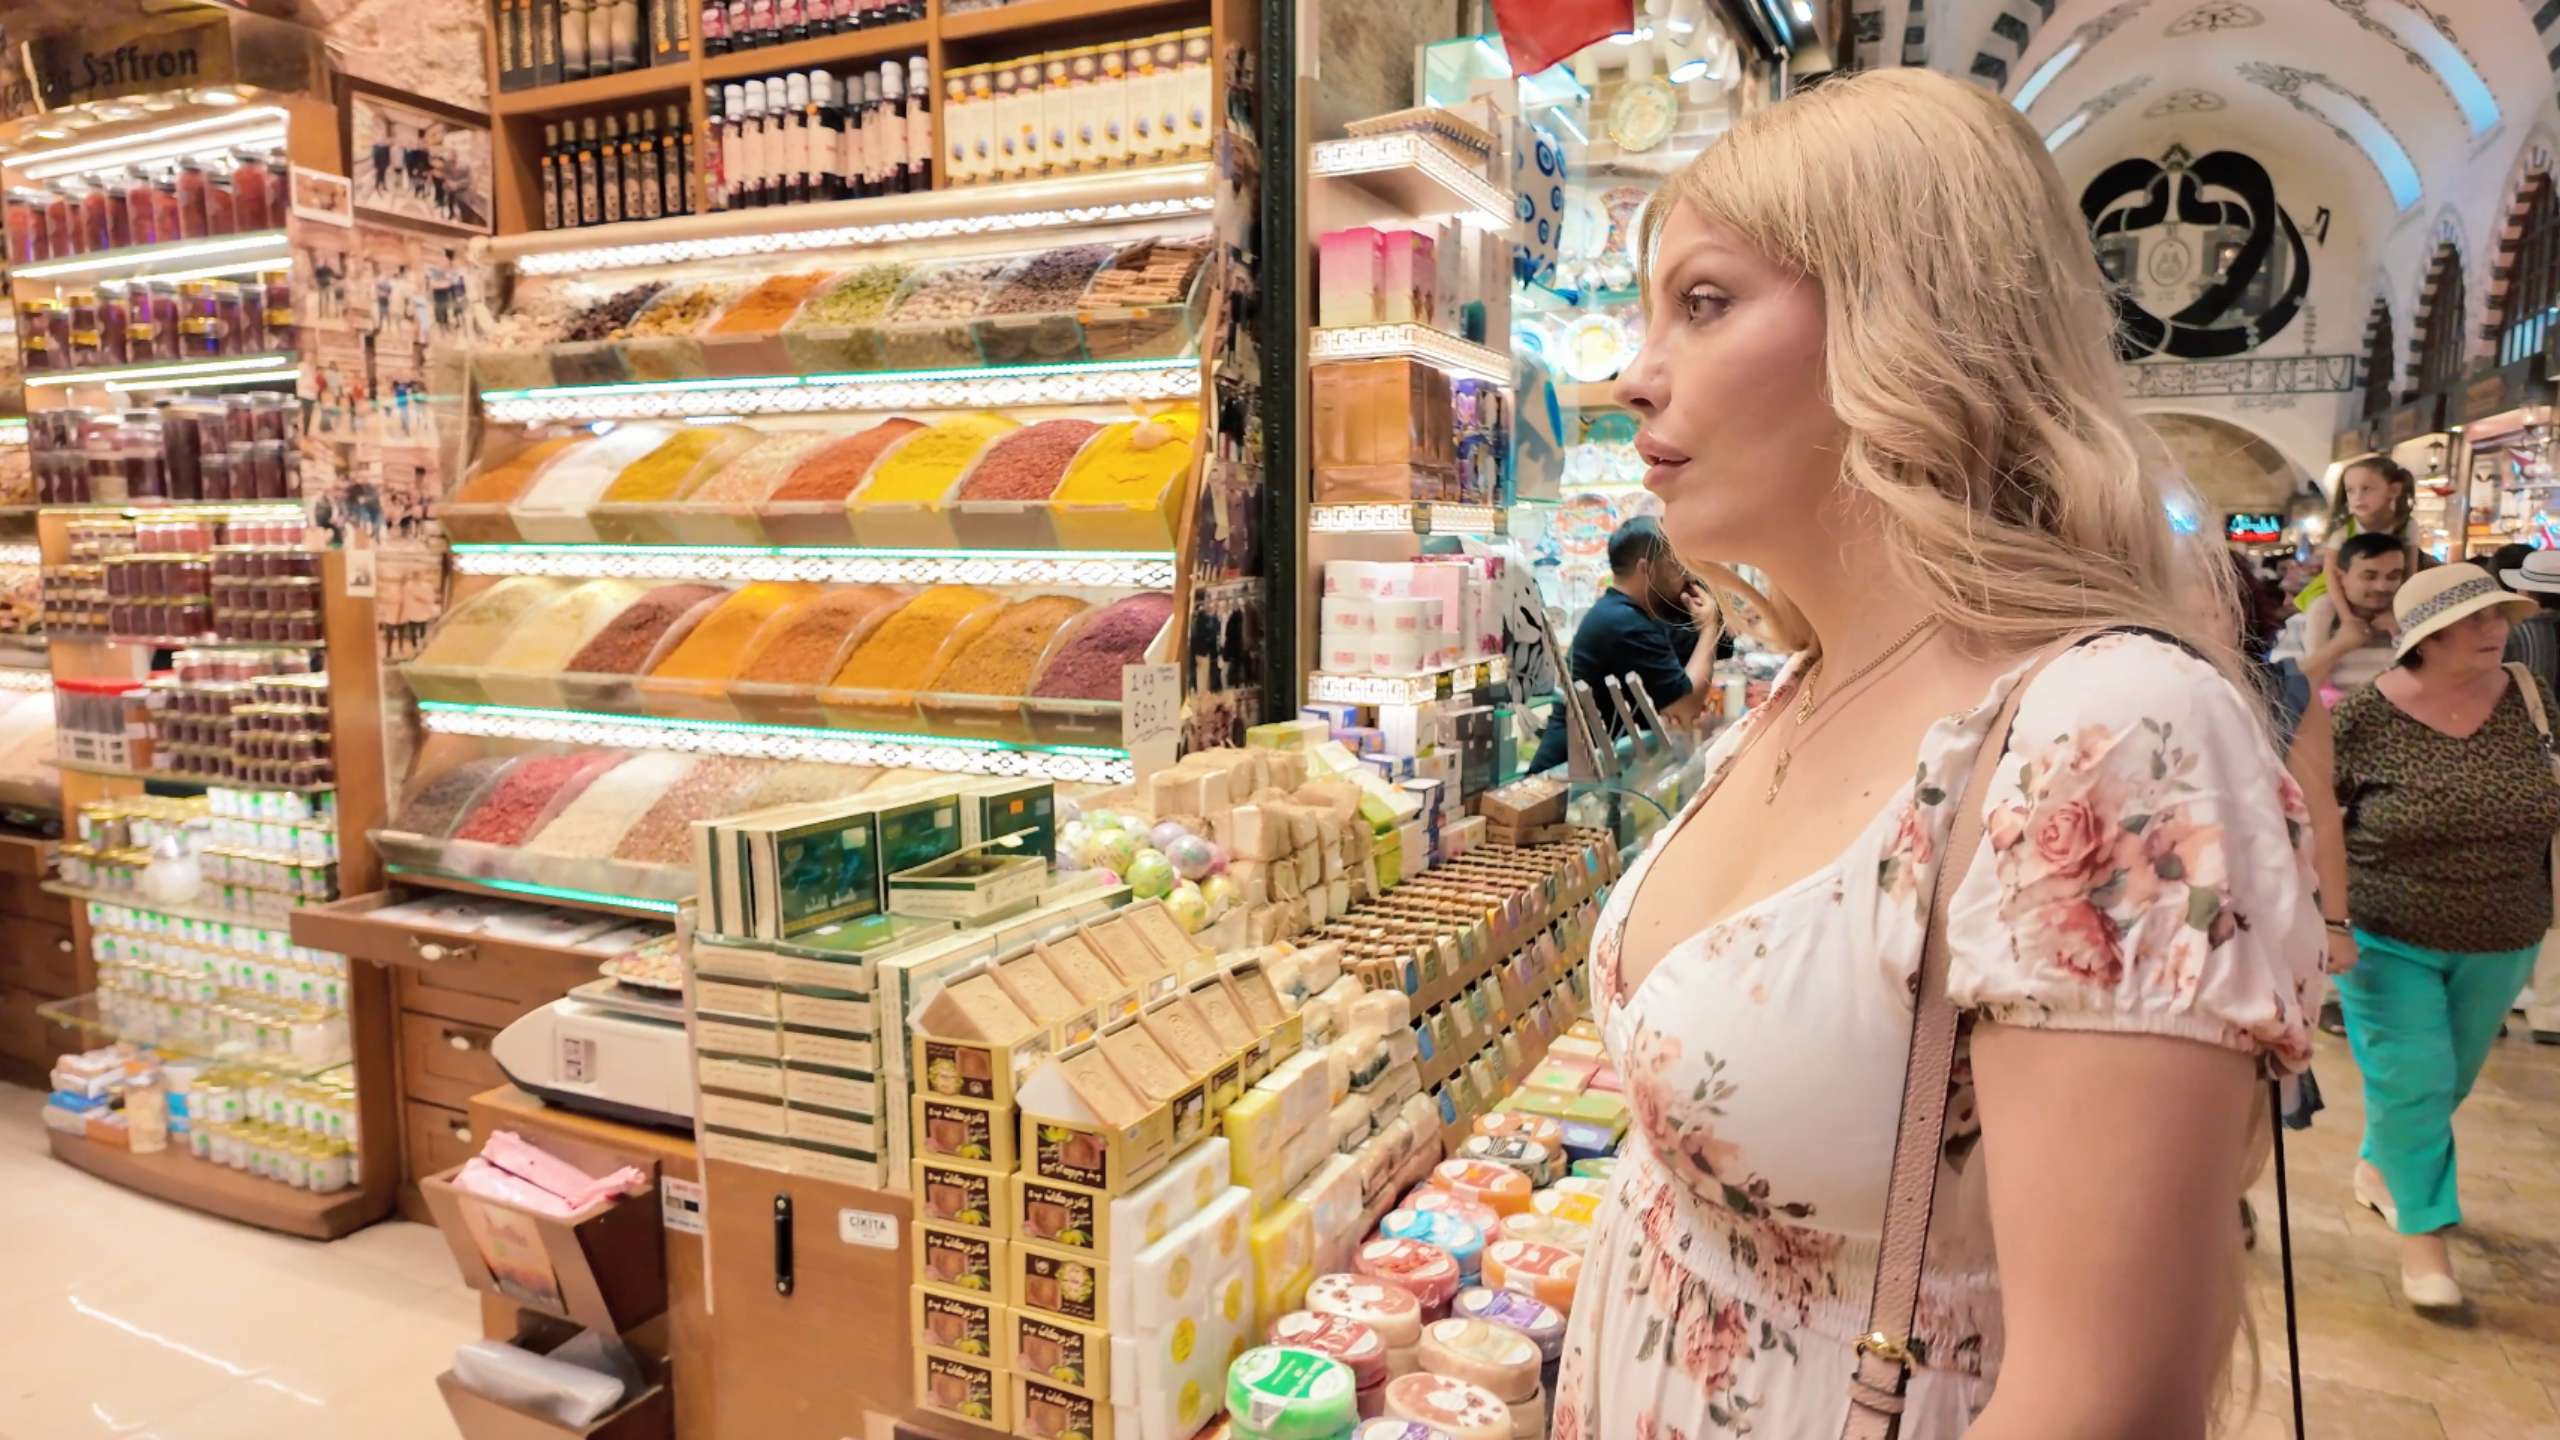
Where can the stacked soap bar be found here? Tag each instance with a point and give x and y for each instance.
(1386, 432)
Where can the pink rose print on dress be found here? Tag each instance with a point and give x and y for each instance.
(1714, 1338)
(2071, 842)
(2077, 938)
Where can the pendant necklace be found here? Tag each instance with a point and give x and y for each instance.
(1805, 707)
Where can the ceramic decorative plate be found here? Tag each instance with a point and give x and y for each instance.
(1643, 114)
(1595, 349)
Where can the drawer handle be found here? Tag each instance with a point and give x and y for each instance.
(462, 1134)
(459, 1041)
(62, 945)
(441, 952)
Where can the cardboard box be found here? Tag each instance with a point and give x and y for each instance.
(958, 1323)
(962, 1130)
(1048, 1411)
(1059, 1352)
(964, 1260)
(603, 1267)
(1068, 1217)
(962, 1197)
(967, 1389)
(1070, 1284)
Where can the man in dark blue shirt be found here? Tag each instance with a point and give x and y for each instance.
(1646, 623)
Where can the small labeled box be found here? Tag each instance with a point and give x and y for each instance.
(963, 1130)
(1046, 1411)
(959, 1323)
(1059, 1351)
(967, 1389)
(1066, 1283)
(962, 1260)
(964, 1197)
(1069, 1217)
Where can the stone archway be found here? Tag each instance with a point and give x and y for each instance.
(2231, 467)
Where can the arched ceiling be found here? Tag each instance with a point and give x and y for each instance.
(2403, 94)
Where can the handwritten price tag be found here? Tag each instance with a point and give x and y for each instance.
(1151, 715)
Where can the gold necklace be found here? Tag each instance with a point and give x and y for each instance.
(1808, 704)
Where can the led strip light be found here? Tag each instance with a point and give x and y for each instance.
(1190, 185)
(187, 510)
(146, 260)
(1425, 519)
(547, 892)
(1409, 342)
(1073, 570)
(994, 387)
(204, 135)
(229, 370)
(1473, 198)
(1335, 689)
(1093, 763)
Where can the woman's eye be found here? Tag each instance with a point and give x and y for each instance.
(1702, 304)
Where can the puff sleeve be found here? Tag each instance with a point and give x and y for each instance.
(2146, 863)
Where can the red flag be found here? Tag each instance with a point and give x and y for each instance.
(1538, 33)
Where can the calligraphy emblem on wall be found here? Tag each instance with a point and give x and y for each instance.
(2204, 263)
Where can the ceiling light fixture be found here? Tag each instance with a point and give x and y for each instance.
(1803, 12)
(165, 142)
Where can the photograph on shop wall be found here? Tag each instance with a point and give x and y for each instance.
(1231, 719)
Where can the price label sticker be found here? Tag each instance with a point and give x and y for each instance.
(680, 1204)
(1151, 715)
(868, 1228)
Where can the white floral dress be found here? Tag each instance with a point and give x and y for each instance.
(2146, 869)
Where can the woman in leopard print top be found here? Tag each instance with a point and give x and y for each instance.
(2450, 810)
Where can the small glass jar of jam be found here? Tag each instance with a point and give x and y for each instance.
(95, 234)
(165, 220)
(221, 204)
(249, 190)
(27, 243)
(237, 337)
(87, 348)
(61, 223)
(191, 200)
(115, 320)
(278, 285)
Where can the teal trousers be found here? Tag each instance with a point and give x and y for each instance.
(2421, 1023)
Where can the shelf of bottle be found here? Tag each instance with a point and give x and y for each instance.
(198, 782)
(250, 919)
(674, 80)
(1028, 15)
(824, 51)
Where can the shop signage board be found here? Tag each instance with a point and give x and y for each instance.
(2508, 388)
(201, 49)
(2253, 528)
(2422, 416)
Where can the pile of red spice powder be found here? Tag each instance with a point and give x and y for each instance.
(1088, 668)
(531, 786)
(630, 637)
(1029, 463)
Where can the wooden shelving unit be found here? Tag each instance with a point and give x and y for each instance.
(968, 38)
(182, 1179)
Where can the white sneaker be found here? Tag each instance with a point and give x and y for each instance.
(2431, 1292)
(2375, 1198)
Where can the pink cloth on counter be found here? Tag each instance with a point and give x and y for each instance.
(573, 1187)
(479, 1177)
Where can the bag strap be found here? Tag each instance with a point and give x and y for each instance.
(2531, 690)
(1884, 1357)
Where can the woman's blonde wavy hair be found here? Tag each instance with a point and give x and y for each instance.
(1968, 352)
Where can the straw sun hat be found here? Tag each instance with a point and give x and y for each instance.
(2436, 598)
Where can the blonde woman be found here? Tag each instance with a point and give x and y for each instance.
(1877, 369)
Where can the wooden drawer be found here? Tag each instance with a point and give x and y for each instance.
(39, 957)
(436, 1139)
(446, 1062)
(458, 976)
(25, 895)
(22, 1034)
